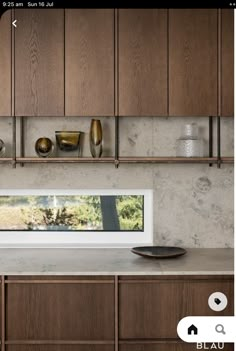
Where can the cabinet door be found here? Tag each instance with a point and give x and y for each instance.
(5, 64)
(54, 311)
(172, 347)
(192, 62)
(89, 62)
(60, 348)
(142, 60)
(227, 73)
(39, 63)
(153, 310)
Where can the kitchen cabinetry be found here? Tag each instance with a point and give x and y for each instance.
(125, 62)
(227, 64)
(151, 309)
(60, 348)
(169, 347)
(5, 64)
(142, 62)
(176, 62)
(100, 313)
(80, 309)
(193, 62)
(39, 63)
(89, 62)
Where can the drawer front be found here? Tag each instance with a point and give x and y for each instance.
(60, 311)
(60, 348)
(175, 347)
(150, 310)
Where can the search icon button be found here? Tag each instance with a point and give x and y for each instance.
(220, 329)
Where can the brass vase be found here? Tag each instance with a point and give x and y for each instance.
(44, 147)
(95, 136)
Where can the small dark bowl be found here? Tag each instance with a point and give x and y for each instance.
(158, 251)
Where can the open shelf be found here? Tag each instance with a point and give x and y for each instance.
(125, 160)
(168, 159)
(64, 160)
(227, 160)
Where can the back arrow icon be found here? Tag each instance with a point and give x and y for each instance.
(14, 23)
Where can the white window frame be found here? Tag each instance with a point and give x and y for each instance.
(78, 239)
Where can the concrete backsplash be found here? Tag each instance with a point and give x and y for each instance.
(193, 204)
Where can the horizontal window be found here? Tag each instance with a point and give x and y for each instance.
(75, 217)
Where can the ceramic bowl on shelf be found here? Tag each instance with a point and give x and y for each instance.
(44, 147)
(68, 140)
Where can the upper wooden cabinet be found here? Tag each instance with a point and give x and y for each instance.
(142, 62)
(177, 62)
(89, 62)
(193, 62)
(5, 64)
(39, 63)
(227, 65)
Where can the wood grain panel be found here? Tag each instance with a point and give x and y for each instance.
(227, 78)
(152, 310)
(39, 63)
(60, 311)
(60, 348)
(192, 62)
(89, 62)
(142, 62)
(5, 64)
(169, 347)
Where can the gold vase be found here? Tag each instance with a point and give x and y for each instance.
(44, 147)
(95, 136)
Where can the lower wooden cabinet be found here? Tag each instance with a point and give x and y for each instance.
(60, 348)
(151, 308)
(60, 311)
(175, 347)
(96, 313)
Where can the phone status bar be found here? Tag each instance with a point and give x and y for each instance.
(114, 4)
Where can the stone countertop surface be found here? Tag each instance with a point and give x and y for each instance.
(111, 261)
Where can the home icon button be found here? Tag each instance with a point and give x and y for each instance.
(192, 330)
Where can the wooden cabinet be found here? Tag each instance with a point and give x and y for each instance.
(60, 348)
(142, 62)
(89, 62)
(177, 346)
(176, 62)
(5, 64)
(227, 64)
(152, 309)
(193, 62)
(92, 313)
(39, 63)
(60, 311)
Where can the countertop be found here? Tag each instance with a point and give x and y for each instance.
(112, 262)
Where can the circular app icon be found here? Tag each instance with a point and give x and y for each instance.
(217, 301)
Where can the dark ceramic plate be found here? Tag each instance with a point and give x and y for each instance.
(158, 251)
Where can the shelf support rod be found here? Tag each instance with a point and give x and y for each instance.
(218, 142)
(22, 138)
(116, 85)
(210, 138)
(14, 141)
(117, 142)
